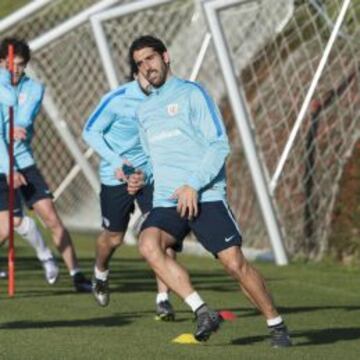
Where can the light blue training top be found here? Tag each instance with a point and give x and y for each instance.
(112, 130)
(25, 98)
(184, 135)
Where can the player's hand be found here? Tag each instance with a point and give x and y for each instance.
(187, 198)
(119, 172)
(19, 133)
(135, 182)
(19, 180)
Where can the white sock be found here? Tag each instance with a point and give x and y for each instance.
(275, 321)
(162, 296)
(194, 301)
(31, 233)
(74, 271)
(101, 275)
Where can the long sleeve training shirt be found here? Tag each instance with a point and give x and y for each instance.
(25, 98)
(112, 130)
(183, 133)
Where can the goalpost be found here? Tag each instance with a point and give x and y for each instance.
(273, 48)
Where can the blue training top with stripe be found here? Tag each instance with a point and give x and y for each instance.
(183, 133)
(112, 131)
(25, 98)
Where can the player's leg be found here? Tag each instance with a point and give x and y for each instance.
(116, 206)
(163, 309)
(4, 226)
(219, 233)
(38, 197)
(29, 231)
(161, 230)
(106, 244)
(45, 209)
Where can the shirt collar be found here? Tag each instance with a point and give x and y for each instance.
(168, 85)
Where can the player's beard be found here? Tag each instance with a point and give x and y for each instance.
(156, 77)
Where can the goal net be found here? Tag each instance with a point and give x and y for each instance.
(275, 47)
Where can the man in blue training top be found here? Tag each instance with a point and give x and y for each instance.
(25, 97)
(112, 131)
(184, 136)
(25, 226)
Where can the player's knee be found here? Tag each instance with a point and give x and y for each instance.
(53, 223)
(17, 221)
(149, 246)
(237, 267)
(115, 238)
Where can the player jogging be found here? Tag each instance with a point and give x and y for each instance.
(26, 97)
(184, 135)
(125, 174)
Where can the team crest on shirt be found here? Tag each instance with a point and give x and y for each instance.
(173, 109)
(22, 98)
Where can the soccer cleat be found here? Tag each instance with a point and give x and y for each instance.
(101, 292)
(165, 311)
(81, 283)
(280, 336)
(207, 322)
(51, 271)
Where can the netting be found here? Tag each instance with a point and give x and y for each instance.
(275, 48)
(275, 79)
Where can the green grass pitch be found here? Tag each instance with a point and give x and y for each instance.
(320, 302)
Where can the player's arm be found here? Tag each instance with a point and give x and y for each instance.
(93, 134)
(4, 158)
(7, 91)
(25, 114)
(207, 121)
(4, 155)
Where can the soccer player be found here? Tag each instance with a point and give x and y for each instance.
(184, 135)
(26, 97)
(112, 131)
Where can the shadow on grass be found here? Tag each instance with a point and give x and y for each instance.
(249, 312)
(111, 321)
(309, 337)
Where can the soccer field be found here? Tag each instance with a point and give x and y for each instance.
(320, 303)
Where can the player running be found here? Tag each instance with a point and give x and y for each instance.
(183, 133)
(125, 174)
(26, 97)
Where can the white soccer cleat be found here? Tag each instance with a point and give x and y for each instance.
(51, 271)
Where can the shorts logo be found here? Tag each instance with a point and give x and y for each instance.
(228, 239)
(172, 109)
(106, 222)
(22, 98)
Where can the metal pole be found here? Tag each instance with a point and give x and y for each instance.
(310, 93)
(243, 122)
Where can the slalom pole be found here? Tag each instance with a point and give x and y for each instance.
(11, 250)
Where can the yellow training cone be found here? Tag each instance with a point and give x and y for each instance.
(185, 339)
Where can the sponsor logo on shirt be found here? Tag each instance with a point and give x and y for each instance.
(22, 98)
(164, 135)
(173, 109)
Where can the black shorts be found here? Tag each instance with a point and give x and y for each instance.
(4, 197)
(214, 227)
(35, 190)
(117, 205)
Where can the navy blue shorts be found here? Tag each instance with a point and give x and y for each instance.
(4, 197)
(214, 227)
(117, 205)
(35, 190)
